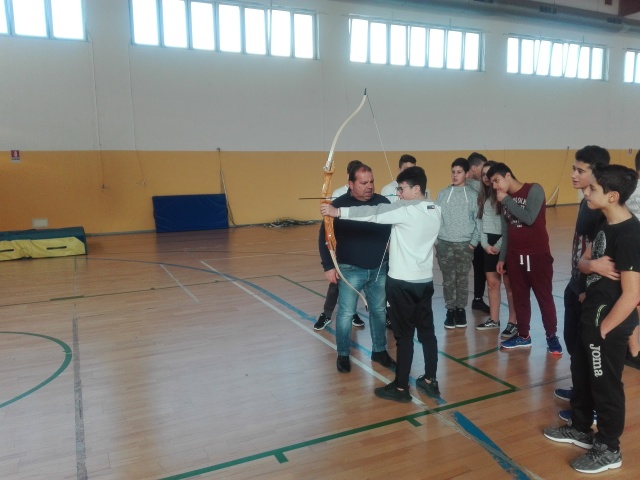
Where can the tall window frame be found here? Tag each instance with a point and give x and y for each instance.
(235, 27)
(384, 42)
(49, 19)
(546, 57)
(632, 66)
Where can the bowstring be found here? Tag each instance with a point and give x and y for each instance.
(386, 159)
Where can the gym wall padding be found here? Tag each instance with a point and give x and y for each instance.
(57, 242)
(180, 213)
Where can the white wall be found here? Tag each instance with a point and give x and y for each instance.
(108, 94)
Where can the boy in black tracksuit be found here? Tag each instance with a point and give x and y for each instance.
(609, 316)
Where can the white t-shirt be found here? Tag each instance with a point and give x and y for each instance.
(338, 192)
(390, 192)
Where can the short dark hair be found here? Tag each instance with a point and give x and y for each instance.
(638, 160)
(616, 178)
(414, 176)
(500, 169)
(593, 155)
(353, 164)
(476, 159)
(358, 168)
(406, 158)
(461, 162)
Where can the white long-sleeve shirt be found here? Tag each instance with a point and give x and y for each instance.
(415, 227)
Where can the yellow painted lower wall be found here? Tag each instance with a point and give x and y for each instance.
(110, 192)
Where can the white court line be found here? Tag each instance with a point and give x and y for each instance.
(186, 290)
(365, 367)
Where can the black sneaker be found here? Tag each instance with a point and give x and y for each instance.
(343, 364)
(391, 392)
(357, 321)
(511, 330)
(478, 304)
(450, 320)
(430, 387)
(383, 359)
(322, 322)
(488, 325)
(461, 318)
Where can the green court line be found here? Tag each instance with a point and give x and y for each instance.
(65, 364)
(280, 453)
(66, 298)
(301, 286)
(481, 354)
(477, 370)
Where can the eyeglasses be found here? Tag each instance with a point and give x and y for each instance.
(400, 189)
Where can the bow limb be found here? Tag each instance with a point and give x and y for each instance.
(329, 164)
(326, 198)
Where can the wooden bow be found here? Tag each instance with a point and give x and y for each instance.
(329, 233)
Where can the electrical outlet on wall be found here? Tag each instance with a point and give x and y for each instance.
(39, 222)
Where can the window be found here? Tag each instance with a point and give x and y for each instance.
(632, 67)
(535, 56)
(414, 45)
(43, 18)
(225, 27)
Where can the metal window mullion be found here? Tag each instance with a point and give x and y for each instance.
(427, 44)
(269, 24)
(292, 36)
(481, 65)
(48, 19)
(216, 26)
(520, 55)
(463, 46)
(160, 22)
(407, 47)
(368, 41)
(8, 8)
(315, 35)
(187, 19)
(243, 30)
(446, 48)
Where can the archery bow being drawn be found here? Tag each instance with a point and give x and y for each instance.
(329, 234)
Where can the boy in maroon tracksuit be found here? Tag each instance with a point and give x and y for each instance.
(526, 254)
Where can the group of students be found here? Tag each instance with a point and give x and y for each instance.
(496, 220)
(506, 219)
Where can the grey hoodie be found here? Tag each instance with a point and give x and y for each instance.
(459, 206)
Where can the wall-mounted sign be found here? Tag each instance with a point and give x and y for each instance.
(15, 155)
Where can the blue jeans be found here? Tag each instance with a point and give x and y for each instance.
(362, 280)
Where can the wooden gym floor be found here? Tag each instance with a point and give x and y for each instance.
(192, 355)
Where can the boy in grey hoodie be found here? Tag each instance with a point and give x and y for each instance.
(459, 234)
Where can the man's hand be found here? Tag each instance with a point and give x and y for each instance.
(605, 267)
(328, 210)
(332, 275)
(500, 268)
